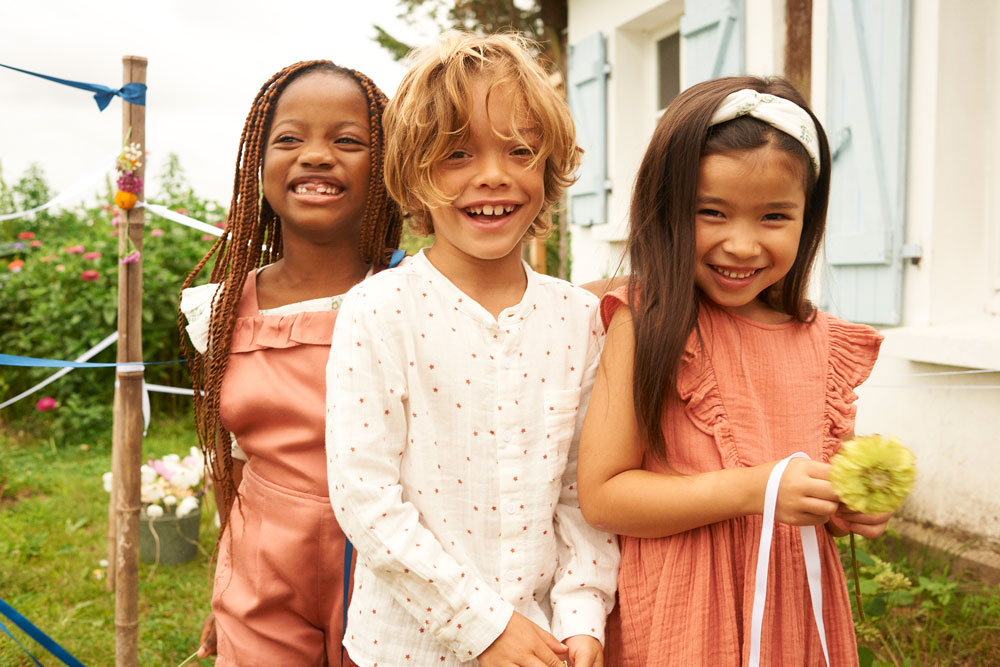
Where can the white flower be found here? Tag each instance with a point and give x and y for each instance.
(198, 456)
(187, 506)
(154, 511)
(106, 477)
(186, 478)
(170, 500)
(148, 475)
(171, 458)
(152, 494)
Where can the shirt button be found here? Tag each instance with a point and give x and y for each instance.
(507, 435)
(507, 363)
(511, 508)
(510, 575)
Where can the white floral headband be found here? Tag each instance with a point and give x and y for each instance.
(777, 112)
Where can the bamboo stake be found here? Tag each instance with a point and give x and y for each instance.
(127, 451)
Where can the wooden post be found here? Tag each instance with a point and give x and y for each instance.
(127, 448)
(109, 582)
(798, 45)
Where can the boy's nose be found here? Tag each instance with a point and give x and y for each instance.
(492, 172)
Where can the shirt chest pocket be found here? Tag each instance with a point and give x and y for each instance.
(561, 408)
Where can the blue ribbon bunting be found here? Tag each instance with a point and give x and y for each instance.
(35, 362)
(134, 93)
(43, 639)
(33, 658)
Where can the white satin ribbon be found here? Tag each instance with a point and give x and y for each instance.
(810, 553)
(80, 185)
(180, 218)
(777, 112)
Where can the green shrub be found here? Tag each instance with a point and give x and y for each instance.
(63, 299)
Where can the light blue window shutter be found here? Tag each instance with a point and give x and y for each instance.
(712, 33)
(867, 101)
(588, 100)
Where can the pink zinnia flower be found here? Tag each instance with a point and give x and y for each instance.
(130, 258)
(16, 266)
(92, 255)
(156, 232)
(208, 237)
(35, 244)
(62, 267)
(89, 276)
(26, 235)
(46, 404)
(76, 250)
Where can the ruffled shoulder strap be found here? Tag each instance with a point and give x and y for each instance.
(853, 352)
(196, 305)
(610, 303)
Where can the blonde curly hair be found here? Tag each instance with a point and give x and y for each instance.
(430, 112)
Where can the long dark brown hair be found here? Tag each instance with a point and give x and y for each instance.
(252, 238)
(663, 297)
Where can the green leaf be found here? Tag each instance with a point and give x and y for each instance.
(865, 656)
(875, 607)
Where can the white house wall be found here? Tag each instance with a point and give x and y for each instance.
(950, 298)
(597, 250)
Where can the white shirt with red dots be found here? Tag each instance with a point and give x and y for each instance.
(451, 452)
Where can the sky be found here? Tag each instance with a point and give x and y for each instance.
(207, 60)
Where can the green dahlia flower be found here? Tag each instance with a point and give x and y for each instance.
(872, 474)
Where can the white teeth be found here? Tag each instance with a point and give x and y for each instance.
(490, 209)
(730, 274)
(309, 188)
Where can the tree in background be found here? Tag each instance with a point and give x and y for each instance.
(543, 21)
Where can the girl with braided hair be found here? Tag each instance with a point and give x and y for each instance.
(309, 218)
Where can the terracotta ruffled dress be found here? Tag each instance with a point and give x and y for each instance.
(278, 596)
(754, 393)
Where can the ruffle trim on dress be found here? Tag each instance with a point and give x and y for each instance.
(853, 352)
(196, 305)
(282, 331)
(698, 387)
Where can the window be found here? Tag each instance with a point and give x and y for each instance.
(668, 61)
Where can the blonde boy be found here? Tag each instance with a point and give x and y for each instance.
(455, 385)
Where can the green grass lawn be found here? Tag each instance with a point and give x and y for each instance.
(53, 536)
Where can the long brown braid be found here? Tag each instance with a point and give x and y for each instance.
(252, 239)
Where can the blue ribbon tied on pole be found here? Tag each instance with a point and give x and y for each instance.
(134, 93)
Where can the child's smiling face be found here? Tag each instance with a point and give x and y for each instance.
(748, 221)
(497, 189)
(316, 161)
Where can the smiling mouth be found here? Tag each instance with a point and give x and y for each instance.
(317, 189)
(490, 211)
(735, 275)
